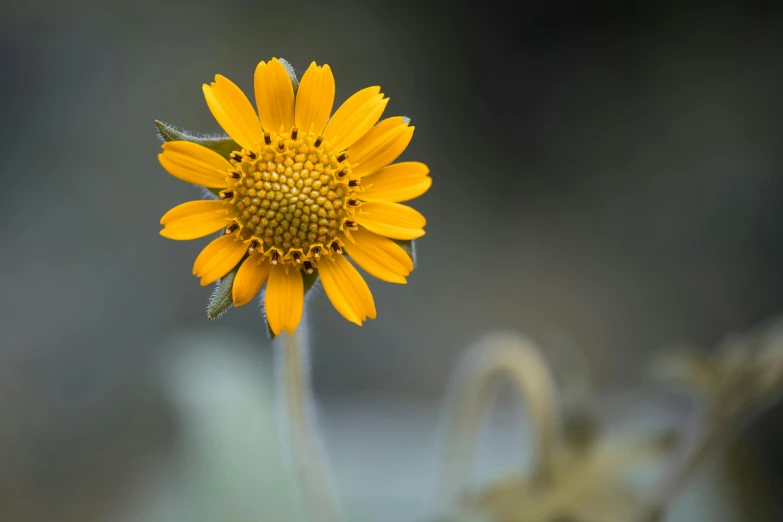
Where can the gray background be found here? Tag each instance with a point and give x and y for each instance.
(606, 176)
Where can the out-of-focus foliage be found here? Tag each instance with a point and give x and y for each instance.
(583, 475)
(229, 465)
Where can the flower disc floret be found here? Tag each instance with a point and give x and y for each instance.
(293, 196)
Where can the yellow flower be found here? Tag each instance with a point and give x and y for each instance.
(304, 190)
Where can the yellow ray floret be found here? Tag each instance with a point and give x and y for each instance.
(249, 279)
(274, 96)
(380, 146)
(378, 256)
(233, 111)
(391, 220)
(398, 182)
(196, 219)
(347, 290)
(284, 299)
(195, 164)
(315, 98)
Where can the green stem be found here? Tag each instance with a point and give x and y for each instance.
(297, 406)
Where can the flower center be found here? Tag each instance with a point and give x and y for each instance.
(293, 196)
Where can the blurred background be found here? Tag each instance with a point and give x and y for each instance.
(606, 176)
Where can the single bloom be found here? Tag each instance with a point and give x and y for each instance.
(304, 191)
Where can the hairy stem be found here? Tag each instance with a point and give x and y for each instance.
(300, 428)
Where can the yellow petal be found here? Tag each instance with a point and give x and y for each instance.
(398, 182)
(391, 220)
(378, 255)
(346, 289)
(284, 299)
(250, 276)
(196, 219)
(274, 96)
(194, 163)
(355, 117)
(315, 98)
(380, 146)
(233, 111)
(218, 258)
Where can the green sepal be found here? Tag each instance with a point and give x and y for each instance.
(269, 331)
(309, 281)
(291, 73)
(222, 299)
(410, 248)
(223, 145)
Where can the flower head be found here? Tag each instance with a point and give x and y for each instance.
(301, 192)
